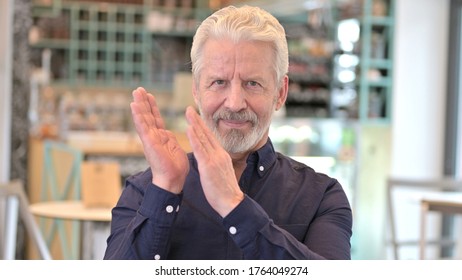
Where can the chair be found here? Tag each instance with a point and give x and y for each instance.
(67, 176)
(61, 172)
(428, 190)
(61, 180)
(16, 204)
(449, 203)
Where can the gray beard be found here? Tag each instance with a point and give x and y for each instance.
(234, 140)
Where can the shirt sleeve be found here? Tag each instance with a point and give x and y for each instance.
(328, 235)
(141, 223)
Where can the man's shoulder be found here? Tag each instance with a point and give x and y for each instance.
(293, 162)
(297, 166)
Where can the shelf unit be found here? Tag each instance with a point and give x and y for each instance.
(366, 94)
(376, 28)
(376, 61)
(103, 43)
(310, 63)
(96, 43)
(315, 89)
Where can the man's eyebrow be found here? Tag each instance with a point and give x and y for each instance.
(215, 77)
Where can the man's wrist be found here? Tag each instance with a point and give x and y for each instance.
(228, 207)
(173, 187)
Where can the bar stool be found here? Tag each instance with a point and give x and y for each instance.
(17, 207)
(447, 203)
(429, 190)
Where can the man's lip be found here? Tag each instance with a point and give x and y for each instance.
(234, 123)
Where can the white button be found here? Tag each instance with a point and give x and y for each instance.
(169, 209)
(178, 208)
(232, 230)
(261, 168)
(157, 257)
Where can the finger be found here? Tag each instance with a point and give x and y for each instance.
(200, 152)
(203, 133)
(203, 128)
(142, 128)
(155, 111)
(144, 113)
(140, 98)
(148, 107)
(150, 136)
(197, 144)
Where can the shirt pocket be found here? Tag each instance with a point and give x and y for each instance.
(297, 230)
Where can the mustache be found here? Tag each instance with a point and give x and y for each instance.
(226, 114)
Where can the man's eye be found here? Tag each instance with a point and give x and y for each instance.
(252, 83)
(219, 82)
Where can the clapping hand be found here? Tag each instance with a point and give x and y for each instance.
(216, 170)
(168, 161)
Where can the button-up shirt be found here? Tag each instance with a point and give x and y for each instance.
(289, 212)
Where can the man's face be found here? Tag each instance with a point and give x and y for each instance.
(237, 93)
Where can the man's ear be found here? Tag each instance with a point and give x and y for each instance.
(282, 93)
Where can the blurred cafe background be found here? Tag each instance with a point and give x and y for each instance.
(374, 100)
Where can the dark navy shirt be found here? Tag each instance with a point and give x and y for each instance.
(289, 212)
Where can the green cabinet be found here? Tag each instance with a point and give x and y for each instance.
(376, 60)
(341, 62)
(371, 59)
(97, 43)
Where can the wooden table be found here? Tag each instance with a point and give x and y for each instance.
(95, 221)
(71, 210)
(447, 203)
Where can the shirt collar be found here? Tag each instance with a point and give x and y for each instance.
(264, 158)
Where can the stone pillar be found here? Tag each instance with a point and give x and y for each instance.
(22, 21)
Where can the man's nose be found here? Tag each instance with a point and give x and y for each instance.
(236, 99)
